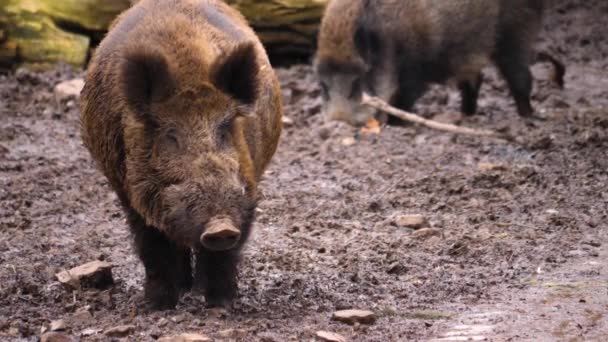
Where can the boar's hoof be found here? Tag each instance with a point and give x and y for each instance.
(220, 234)
(160, 295)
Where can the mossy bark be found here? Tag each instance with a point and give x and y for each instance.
(48, 31)
(284, 26)
(34, 38)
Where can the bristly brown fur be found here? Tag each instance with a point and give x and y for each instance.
(181, 110)
(399, 47)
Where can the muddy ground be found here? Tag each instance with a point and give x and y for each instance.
(517, 250)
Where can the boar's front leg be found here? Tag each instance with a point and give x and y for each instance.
(216, 275)
(469, 92)
(168, 270)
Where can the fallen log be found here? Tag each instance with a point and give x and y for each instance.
(49, 31)
(286, 27)
(34, 38)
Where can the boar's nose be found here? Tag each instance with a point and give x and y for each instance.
(220, 234)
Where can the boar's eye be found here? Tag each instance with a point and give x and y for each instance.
(355, 90)
(324, 91)
(169, 141)
(223, 133)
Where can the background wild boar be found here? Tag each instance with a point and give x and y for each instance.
(394, 49)
(181, 110)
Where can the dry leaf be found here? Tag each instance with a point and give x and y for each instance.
(372, 126)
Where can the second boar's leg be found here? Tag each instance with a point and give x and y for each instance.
(167, 266)
(513, 63)
(216, 273)
(469, 92)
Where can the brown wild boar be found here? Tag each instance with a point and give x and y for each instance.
(181, 110)
(395, 49)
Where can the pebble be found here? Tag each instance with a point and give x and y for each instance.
(81, 317)
(89, 332)
(56, 337)
(354, 316)
(162, 322)
(57, 325)
(491, 167)
(592, 243)
(120, 331)
(95, 274)
(287, 121)
(233, 333)
(396, 268)
(328, 336)
(348, 141)
(425, 233)
(68, 90)
(414, 221)
(185, 337)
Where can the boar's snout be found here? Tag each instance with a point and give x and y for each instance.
(220, 234)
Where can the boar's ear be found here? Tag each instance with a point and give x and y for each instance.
(145, 78)
(367, 41)
(237, 75)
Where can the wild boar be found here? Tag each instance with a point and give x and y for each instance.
(395, 49)
(182, 112)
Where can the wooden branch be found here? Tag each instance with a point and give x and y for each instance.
(381, 105)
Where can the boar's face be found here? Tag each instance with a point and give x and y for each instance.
(343, 81)
(185, 146)
(342, 86)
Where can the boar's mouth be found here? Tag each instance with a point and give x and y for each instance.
(207, 220)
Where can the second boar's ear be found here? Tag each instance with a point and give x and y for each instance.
(237, 74)
(145, 78)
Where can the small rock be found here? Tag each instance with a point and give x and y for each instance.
(13, 331)
(68, 90)
(269, 337)
(81, 317)
(89, 332)
(414, 221)
(185, 337)
(95, 274)
(354, 316)
(328, 336)
(56, 337)
(179, 318)
(396, 268)
(233, 333)
(57, 325)
(592, 243)
(287, 121)
(491, 167)
(425, 233)
(120, 331)
(348, 141)
(324, 133)
(162, 322)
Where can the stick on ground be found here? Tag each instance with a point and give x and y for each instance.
(379, 104)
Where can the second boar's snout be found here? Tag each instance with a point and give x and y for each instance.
(220, 234)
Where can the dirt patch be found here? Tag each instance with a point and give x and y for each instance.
(325, 238)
